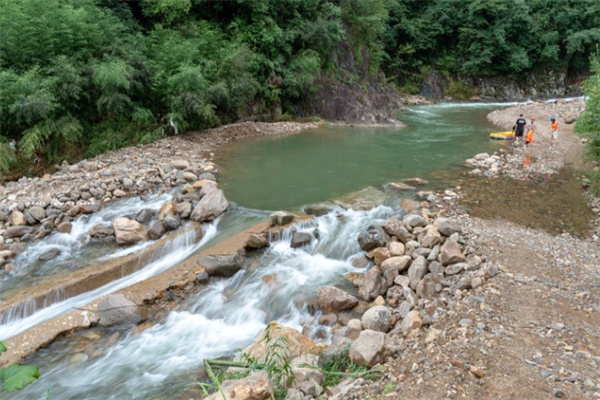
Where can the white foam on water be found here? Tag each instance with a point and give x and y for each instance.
(224, 317)
(168, 256)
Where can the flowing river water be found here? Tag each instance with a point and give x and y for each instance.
(227, 314)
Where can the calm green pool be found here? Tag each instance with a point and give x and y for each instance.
(290, 171)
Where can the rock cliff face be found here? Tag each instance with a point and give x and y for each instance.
(353, 93)
(541, 84)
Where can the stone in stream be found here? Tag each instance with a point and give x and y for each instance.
(50, 255)
(128, 231)
(281, 218)
(256, 241)
(368, 349)
(300, 239)
(116, 309)
(377, 319)
(334, 300)
(225, 265)
(416, 181)
(400, 186)
(64, 227)
(18, 231)
(100, 232)
(317, 209)
(169, 209)
(210, 207)
(172, 223)
(144, 216)
(371, 239)
(184, 209)
(450, 253)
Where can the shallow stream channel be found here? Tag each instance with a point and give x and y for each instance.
(278, 284)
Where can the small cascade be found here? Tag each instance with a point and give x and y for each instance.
(161, 260)
(223, 317)
(74, 250)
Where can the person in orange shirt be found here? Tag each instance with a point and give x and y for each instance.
(530, 130)
(553, 131)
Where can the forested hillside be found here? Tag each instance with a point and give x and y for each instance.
(80, 77)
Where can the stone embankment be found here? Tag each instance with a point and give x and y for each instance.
(32, 208)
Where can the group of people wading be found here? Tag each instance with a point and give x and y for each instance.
(521, 126)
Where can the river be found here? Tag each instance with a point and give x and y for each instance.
(226, 315)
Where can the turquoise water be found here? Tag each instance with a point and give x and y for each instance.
(287, 172)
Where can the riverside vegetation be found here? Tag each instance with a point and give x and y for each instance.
(81, 77)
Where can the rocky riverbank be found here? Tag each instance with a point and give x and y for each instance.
(32, 208)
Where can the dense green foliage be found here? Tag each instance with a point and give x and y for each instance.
(80, 77)
(588, 125)
(16, 376)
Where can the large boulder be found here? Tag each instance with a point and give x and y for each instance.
(64, 227)
(297, 344)
(128, 231)
(417, 271)
(210, 207)
(169, 209)
(18, 231)
(317, 209)
(372, 284)
(450, 253)
(256, 241)
(332, 299)
(37, 213)
(371, 239)
(116, 309)
(281, 218)
(144, 216)
(300, 239)
(256, 386)
(368, 349)
(156, 230)
(377, 319)
(226, 265)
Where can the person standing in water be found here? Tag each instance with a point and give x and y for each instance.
(553, 131)
(519, 126)
(530, 131)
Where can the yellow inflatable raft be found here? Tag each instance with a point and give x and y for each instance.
(508, 135)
